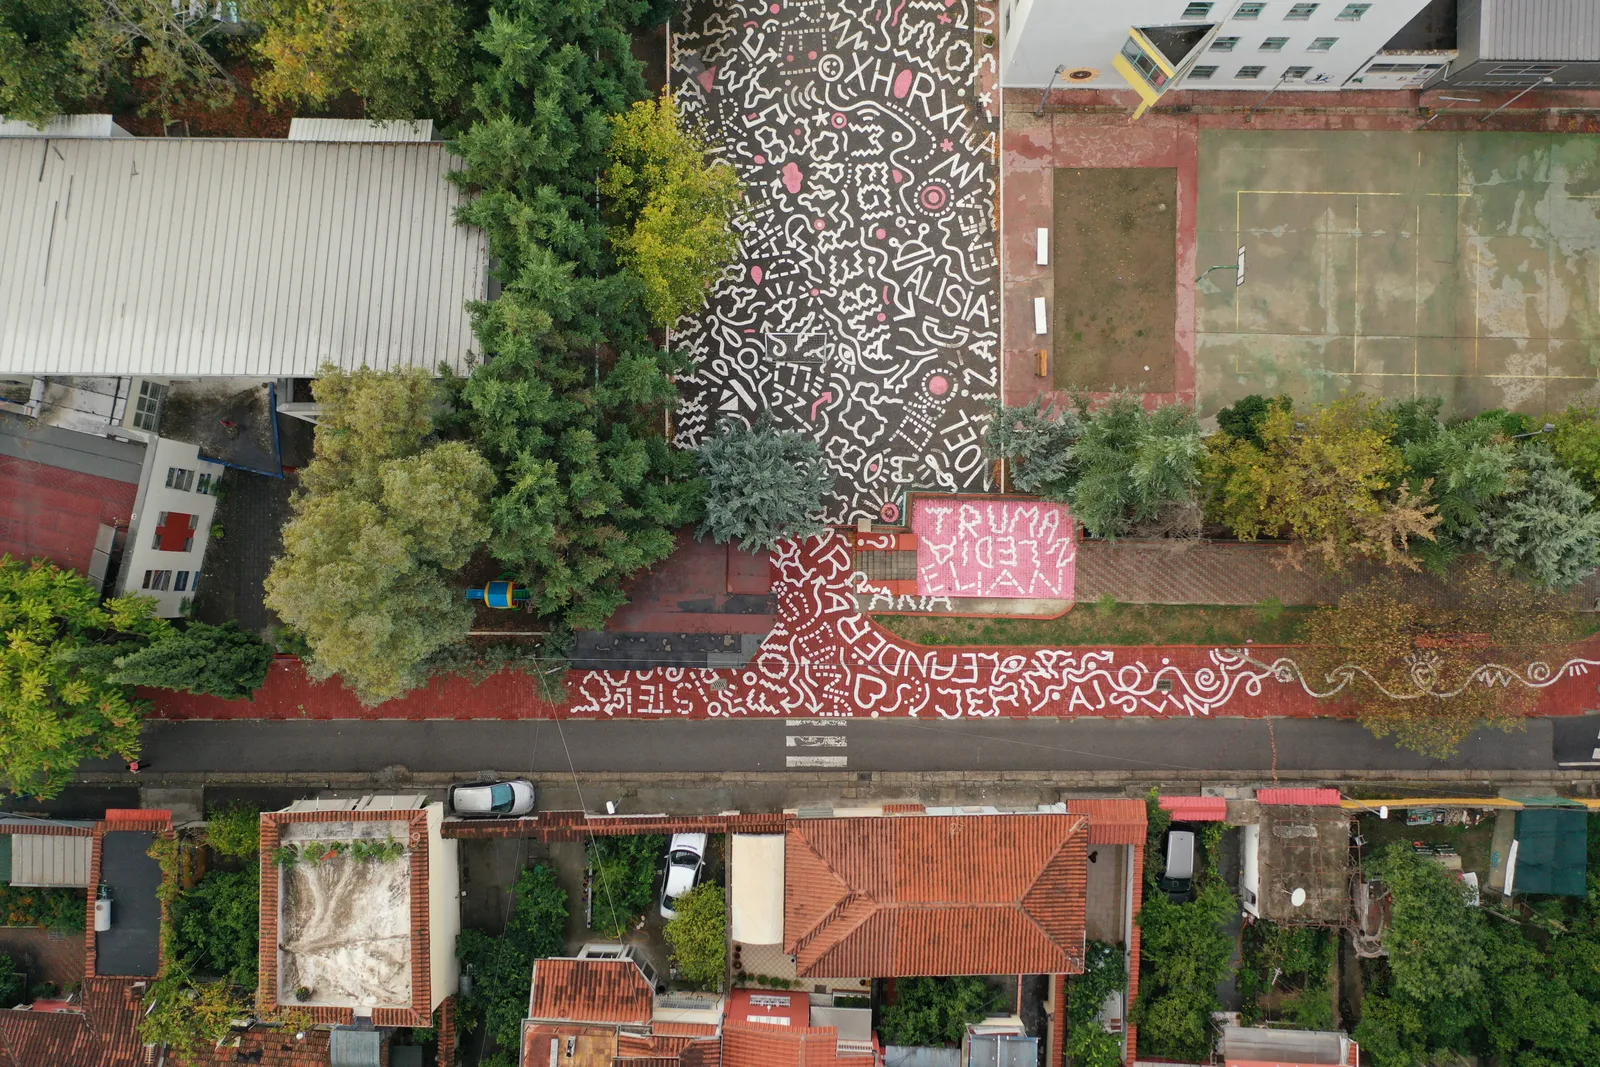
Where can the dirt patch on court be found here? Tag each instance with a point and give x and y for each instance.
(1115, 278)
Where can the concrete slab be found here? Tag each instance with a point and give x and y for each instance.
(131, 878)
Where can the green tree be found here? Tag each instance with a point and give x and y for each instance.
(1464, 468)
(1037, 439)
(1244, 418)
(380, 518)
(216, 925)
(935, 1011)
(502, 967)
(698, 936)
(1330, 478)
(188, 1014)
(1547, 528)
(1137, 467)
(13, 982)
(57, 704)
(234, 830)
(762, 485)
(39, 75)
(1186, 950)
(406, 60)
(623, 873)
(172, 48)
(1104, 972)
(676, 207)
(221, 661)
(1576, 444)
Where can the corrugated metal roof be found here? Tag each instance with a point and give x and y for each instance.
(1196, 809)
(50, 859)
(182, 257)
(1313, 797)
(1567, 30)
(65, 126)
(360, 130)
(355, 1048)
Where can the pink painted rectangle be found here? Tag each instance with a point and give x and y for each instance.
(1004, 549)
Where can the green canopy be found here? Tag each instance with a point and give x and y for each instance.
(1552, 852)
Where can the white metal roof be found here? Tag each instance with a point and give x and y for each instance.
(360, 130)
(755, 879)
(50, 859)
(1549, 30)
(183, 257)
(65, 126)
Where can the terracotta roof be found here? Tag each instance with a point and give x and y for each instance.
(755, 1045)
(276, 1048)
(1315, 797)
(1113, 821)
(1196, 809)
(968, 894)
(702, 1054)
(597, 991)
(568, 1045)
(104, 1034)
(661, 1029)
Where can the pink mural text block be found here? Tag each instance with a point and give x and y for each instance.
(1008, 549)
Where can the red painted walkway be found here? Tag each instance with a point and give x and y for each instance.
(824, 658)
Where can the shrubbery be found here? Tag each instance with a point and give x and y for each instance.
(935, 1011)
(623, 873)
(502, 967)
(698, 936)
(1104, 972)
(216, 926)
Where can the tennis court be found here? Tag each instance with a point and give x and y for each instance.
(1465, 265)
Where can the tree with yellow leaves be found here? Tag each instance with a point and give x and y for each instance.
(675, 207)
(57, 706)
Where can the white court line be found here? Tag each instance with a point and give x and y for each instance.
(817, 741)
(818, 761)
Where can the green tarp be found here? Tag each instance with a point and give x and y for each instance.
(1552, 852)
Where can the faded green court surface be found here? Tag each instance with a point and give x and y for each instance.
(1465, 265)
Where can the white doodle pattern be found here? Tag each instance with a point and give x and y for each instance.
(865, 310)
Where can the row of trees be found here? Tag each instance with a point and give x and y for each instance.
(403, 58)
(1481, 984)
(1355, 479)
(69, 664)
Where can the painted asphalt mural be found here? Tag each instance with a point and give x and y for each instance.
(865, 311)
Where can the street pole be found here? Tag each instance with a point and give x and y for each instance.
(1263, 101)
(1546, 80)
(1048, 86)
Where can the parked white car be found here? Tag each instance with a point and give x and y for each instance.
(686, 861)
(492, 799)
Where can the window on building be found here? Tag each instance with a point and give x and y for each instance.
(1301, 12)
(1353, 12)
(1197, 11)
(1322, 44)
(181, 582)
(1144, 64)
(1224, 44)
(1249, 11)
(147, 406)
(1274, 44)
(203, 484)
(1201, 73)
(180, 478)
(1246, 73)
(157, 581)
(1294, 74)
(194, 582)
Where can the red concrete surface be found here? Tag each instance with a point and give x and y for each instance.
(54, 513)
(688, 591)
(824, 658)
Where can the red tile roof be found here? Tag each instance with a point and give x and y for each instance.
(591, 991)
(756, 1045)
(971, 894)
(1196, 809)
(1113, 821)
(1315, 797)
(794, 1007)
(104, 1034)
(275, 1047)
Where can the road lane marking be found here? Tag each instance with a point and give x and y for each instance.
(817, 741)
(818, 761)
(825, 724)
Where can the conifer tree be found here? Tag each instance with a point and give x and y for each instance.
(762, 485)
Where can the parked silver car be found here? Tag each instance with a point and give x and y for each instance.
(506, 799)
(686, 861)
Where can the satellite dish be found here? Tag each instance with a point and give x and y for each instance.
(1298, 897)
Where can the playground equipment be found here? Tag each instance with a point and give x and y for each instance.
(502, 593)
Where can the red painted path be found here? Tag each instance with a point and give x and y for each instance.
(824, 658)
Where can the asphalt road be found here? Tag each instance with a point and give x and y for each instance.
(546, 747)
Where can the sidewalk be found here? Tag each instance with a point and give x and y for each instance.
(823, 658)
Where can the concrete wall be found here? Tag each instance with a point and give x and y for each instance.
(155, 497)
(1089, 33)
(444, 907)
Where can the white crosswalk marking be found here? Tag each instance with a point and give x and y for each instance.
(813, 740)
(817, 741)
